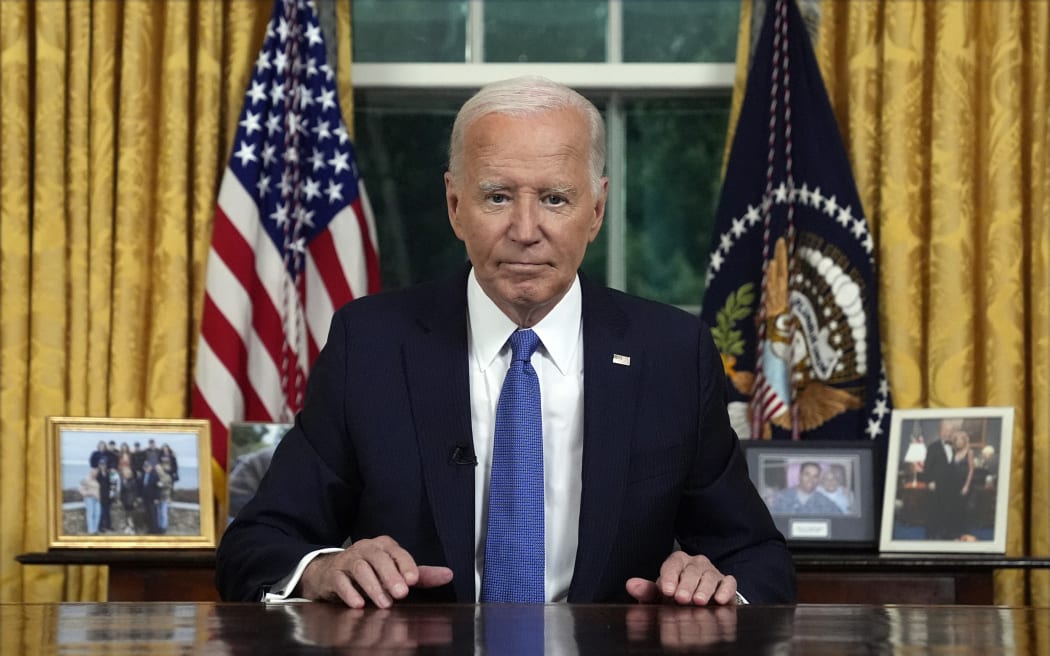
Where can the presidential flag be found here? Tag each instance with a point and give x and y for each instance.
(791, 293)
(293, 236)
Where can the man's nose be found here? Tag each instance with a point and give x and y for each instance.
(525, 222)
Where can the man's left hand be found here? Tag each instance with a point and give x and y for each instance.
(685, 580)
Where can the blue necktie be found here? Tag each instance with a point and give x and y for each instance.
(514, 563)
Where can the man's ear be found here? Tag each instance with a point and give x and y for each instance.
(599, 210)
(452, 203)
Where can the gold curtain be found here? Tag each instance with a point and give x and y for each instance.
(944, 110)
(117, 120)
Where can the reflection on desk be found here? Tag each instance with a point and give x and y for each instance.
(179, 628)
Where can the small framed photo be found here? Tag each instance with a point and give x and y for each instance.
(129, 483)
(947, 480)
(820, 493)
(251, 447)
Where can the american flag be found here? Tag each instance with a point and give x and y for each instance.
(792, 293)
(293, 236)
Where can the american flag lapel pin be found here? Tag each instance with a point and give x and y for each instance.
(625, 360)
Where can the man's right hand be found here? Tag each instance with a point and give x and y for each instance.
(378, 570)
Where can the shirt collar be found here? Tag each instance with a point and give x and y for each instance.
(559, 331)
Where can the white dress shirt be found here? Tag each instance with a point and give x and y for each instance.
(559, 366)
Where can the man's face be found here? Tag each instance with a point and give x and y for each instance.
(807, 478)
(524, 207)
(949, 426)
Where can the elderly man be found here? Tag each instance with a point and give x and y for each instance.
(939, 476)
(513, 432)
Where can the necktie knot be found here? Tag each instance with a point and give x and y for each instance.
(523, 344)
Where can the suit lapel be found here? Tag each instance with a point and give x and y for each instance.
(435, 359)
(610, 390)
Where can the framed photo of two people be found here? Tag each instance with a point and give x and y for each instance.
(947, 480)
(820, 494)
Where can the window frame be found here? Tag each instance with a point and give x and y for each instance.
(612, 81)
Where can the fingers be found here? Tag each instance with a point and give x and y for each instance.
(643, 591)
(375, 573)
(377, 570)
(686, 580)
(343, 590)
(433, 577)
(695, 580)
(725, 591)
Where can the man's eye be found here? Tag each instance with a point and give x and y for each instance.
(556, 200)
(498, 198)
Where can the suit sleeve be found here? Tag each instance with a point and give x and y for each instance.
(722, 515)
(314, 461)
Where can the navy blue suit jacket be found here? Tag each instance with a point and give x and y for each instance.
(377, 450)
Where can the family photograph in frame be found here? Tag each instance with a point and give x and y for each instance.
(129, 483)
(252, 444)
(947, 480)
(820, 493)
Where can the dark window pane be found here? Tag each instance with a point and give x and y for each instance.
(545, 30)
(409, 30)
(680, 30)
(401, 142)
(674, 162)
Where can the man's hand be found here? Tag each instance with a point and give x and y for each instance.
(378, 569)
(685, 580)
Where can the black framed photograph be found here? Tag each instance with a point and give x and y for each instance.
(948, 480)
(125, 483)
(820, 493)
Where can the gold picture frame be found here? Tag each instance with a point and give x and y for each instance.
(154, 491)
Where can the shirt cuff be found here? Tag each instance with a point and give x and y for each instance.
(283, 588)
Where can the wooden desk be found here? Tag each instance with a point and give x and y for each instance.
(179, 628)
(847, 578)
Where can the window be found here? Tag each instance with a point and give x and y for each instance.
(661, 72)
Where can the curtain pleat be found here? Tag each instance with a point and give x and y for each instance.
(16, 142)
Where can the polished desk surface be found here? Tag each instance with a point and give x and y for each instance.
(294, 628)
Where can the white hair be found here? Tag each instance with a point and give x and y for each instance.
(527, 96)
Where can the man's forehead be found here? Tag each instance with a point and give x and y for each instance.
(569, 125)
